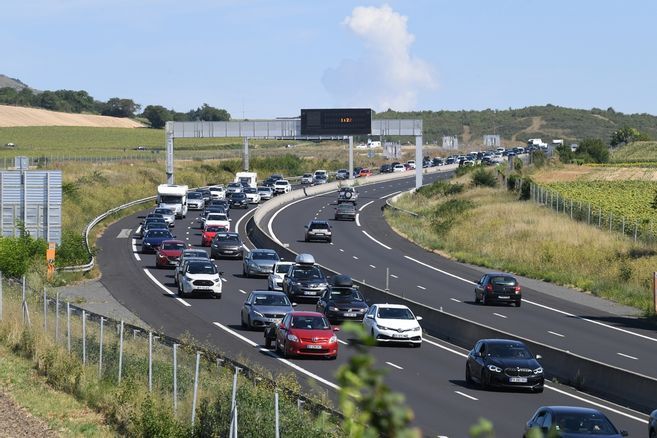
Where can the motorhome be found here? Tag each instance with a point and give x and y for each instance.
(174, 197)
(250, 178)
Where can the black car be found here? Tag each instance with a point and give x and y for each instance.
(498, 287)
(342, 301)
(206, 194)
(504, 363)
(437, 162)
(304, 281)
(572, 421)
(385, 168)
(275, 177)
(238, 200)
(345, 212)
(226, 245)
(652, 424)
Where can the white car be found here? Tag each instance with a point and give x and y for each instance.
(411, 164)
(399, 168)
(234, 188)
(217, 192)
(252, 195)
(282, 186)
(168, 215)
(307, 178)
(195, 201)
(265, 192)
(217, 219)
(393, 323)
(200, 276)
(275, 279)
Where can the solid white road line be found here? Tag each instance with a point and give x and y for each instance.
(455, 300)
(628, 356)
(358, 219)
(556, 334)
(374, 240)
(466, 395)
(164, 288)
(421, 287)
(438, 270)
(275, 356)
(361, 209)
(241, 290)
(394, 366)
(500, 315)
(390, 194)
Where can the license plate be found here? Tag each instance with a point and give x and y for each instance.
(309, 292)
(315, 347)
(504, 297)
(349, 315)
(228, 252)
(518, 379)
(203, 287)
(398, 335)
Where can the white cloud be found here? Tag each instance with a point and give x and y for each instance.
(387, 75)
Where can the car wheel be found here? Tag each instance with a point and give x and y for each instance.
(305, 239)
(483, 380)
(243, 324)
(284, 351)
(244, 274)
(267, 343)
(329, 241)
(518, 303)
(477, 299)
(539, 390)
(468, 376)
(484, 301)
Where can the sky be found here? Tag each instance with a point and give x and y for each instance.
(267, 59)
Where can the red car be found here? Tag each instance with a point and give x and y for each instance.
(365, 172)
(168, 254)
(209, 232)
(303, 334)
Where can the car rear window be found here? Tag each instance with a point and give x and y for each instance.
(281, 269)
(264, 256)
(177, 245)
(319, 226)
(503, 281)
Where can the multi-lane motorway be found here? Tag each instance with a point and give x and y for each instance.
(431, 378)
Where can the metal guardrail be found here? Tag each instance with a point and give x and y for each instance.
(389, 203)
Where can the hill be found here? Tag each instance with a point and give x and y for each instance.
(16, 84)
(515, 126)
(11, 116)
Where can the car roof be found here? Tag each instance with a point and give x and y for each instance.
(572, 409)
(390, 306)
(264, 250)
(173, 241)
(502, 341)
(305, 259)
(506, 274)
(269, 292)
(285, 263)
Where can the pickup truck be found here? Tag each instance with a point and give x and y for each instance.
(347, 194)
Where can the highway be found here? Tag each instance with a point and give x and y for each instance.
(432, 377)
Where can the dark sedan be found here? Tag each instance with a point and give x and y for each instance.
(571, 422)
(154, 238)
(345, 212)
(238, 200)
(497, 287)
(226, 245)
(652, 425)
(504, 363)
(342, 301)
(304, 281)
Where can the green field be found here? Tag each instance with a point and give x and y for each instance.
(637, 152)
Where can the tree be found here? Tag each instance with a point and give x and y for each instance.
(594, 148)
(209, 114)
(627, 135)
(157, 115)
(117, 107)
(565, 153)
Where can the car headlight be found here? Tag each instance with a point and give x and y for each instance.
(256, 313)
(538, 370)
(333, 339)
(417, 329)
(495, 369)
(383, 327)
(333, 309)
(291, 337)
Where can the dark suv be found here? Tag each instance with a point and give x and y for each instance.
(498, 287)
(318, 230)
(385, 168)
(342, 301)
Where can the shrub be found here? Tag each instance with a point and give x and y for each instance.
(448, 213)
(483, 177)
(525, 189)
(440, 188)
(17, 254)
(512, 181)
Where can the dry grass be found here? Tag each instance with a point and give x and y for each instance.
(22, 116)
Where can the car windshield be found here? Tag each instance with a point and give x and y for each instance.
(264, 189)
(310, 323)
(508, 351)
(250, 190)
(271, 300)
(238, 196)
(214, 229)
(395, 313)
(188, 254)
(194, 195)
(217, 217)
(583, 423)
(153, 215)
(319, 226)
(346, 207)
(164, 211)
(174, 245)
(307, 273)
(201, 268)
(156, 224)
(158, 233)
(282, 269)
(503, 280)
(229, 239)
(346, 295)
(257, 255)
(235, 185)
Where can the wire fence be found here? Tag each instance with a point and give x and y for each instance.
(638, 230)
(112, 352)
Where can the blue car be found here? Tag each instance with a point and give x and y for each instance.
(153, 239)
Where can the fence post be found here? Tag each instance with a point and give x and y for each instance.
(150, 361)
(175, 380)
(26, 312)
(68, 325)
(100, 349)
(56, 317)
(0, 295)
(198, 359)
(610, 218)
(277, 433)
(636, 225)
(84, 337)
(387, 279)
(120, 350)
(654, 292)
(45, 311)
(233, 402)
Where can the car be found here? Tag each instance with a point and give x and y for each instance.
(385, 168)
(252, 195)
(304, 279)
(652, 424)
(209, 232)
(364, 172)
(275, 279)
(275, 177)
(411, 164)
(347, 194)
(307, 178)
(342, 301)
(200, 276)
(320, 176)
(496, 287)
(342, 174)
(151, 224)
(217, 192)
(217, 219)
(152, 216)
(208, 210)
(195, 201)
(226, 245)
(168, 215)
(438, 162)
(263, 308)
(265, 192)
(357, 171)
(168, 253)
(238, 200)
(571, 421)
(503, 363)
(234, 187)
(345, 212)
(303, 334)
(393, 323)
(187, 254)
(207, 196)
(154, 238)
(259, 262)
(398, 168)
(268, 182)
(318, 230)
(282, 186)
(224, 203)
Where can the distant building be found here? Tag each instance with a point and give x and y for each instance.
(492, 141)
(450, 142)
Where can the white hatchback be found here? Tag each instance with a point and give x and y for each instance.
(393, 323)
(217, 219)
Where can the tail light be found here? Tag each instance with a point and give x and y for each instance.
(517, 289)
(489, 288)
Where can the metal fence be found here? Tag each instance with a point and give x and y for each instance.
(112, 352)
(594, 215)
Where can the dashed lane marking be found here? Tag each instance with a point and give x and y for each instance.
(242, 291)
(393, 276)
(421, 287)
(124, 233)
(372, 266)
(466, 395)
(455, 300)
(500, 315)
(390, 194)
(628, 356)
(394, 366)
(164, 288)
(556, 334)
(355, 258)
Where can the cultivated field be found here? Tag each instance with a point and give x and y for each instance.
(640, 151)
(22, 116)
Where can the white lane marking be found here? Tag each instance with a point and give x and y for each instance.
(137, 257)
(275, 356)
(224, 280)
(390, 194)
(374, 240)
(372, 266)
(343, 342)
(331, 243)
(164, 288)
(361, 209)
(237, 224)
(556, 334)
(188, 232)
(244, 292)
(341, 250)
(600, 405)
(134, 250)
(394, 366)
(355, 258)
(466, 395)
(358, 219)
(500, 315)
(393, 276)
(124, 233)
(455, 300)
(421, 287)
(627, 356)
(543, 306)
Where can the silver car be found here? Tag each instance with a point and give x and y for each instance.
(259, 262)
(263, 308)
(265, 193)
(168, 215)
